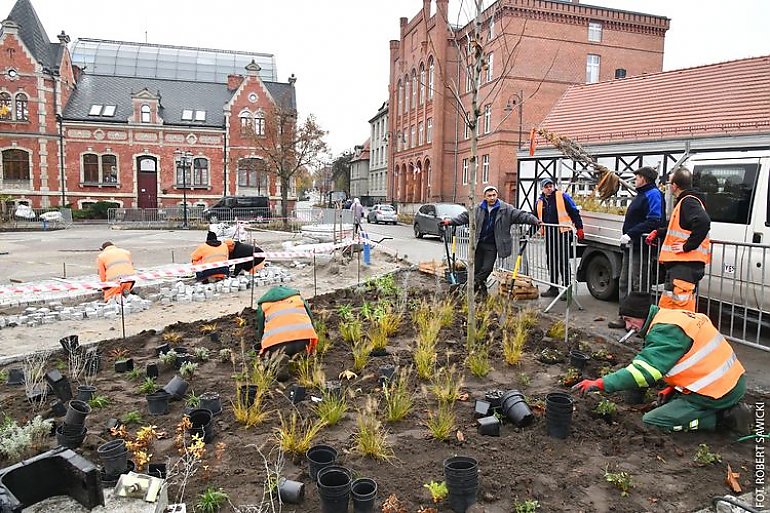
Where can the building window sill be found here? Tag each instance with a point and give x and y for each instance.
(100, 184)
(192, 187)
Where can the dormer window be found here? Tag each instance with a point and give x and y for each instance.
(187, 115)
(146, 114)
(109, 110)
(96, 110)
(200, 115)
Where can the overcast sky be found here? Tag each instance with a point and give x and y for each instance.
(338, 49)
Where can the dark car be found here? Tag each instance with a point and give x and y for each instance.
(428, 217)
(382, 213)
(256, 208)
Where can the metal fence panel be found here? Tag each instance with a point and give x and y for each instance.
(22, 216)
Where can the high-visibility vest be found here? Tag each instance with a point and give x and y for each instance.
(676, 233)
(561, 211)
(205, 254)
(710, 367)
(286, 321)
(113, 263)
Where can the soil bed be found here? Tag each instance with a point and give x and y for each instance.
(562, 475)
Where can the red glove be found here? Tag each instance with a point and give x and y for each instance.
(665, 396)
(445, 222)
(652, 238)
(589, 385)
(581, 234)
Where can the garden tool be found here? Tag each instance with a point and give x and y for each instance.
(628, 335)
(665, 396)
(518, 261)
(450, 260)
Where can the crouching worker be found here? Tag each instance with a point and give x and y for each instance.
(284, 322)
(113, 264)
(704, 377)
(210, 252)
(238, 249)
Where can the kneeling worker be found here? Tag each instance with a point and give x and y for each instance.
(238, 249)
(210, 252)
(114, 263)
(704, 377)
(284, 322)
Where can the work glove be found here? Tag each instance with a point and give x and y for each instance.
(581, 234)
(665, 396)
(625, 239)
(651, 238)
(589, 385)
(445, 222)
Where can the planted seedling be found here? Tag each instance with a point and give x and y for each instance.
(704, 456)
(621, 480)
(192, 400)
(478, 359)
(332, 408)
(370, 437)
(438, 491)
(3, 376)
(557, 330)
(446, 384)
(296, 435)
(202, 353)
(524, 379)
(605, 370)
(322, 330)
(362, 348)
(550, 356)
(513, 344)
(225, 355)
(570, 377)
(99, 401)
(345, 312)
(209, 328)
(351, 329)
(442, 422)
(212, 500)
(425, 356)
(527, 506)
(119, 353)
(18, 442)
(187, 370)
(309, 370)
(135, 373)
(398, 397)
(387, 318)
(168, 358)
(602, 355)
(172, 337)
(132, 417)
(606, 409)
(148, 386)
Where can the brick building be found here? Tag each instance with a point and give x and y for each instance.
(121, 110)
(533, 51)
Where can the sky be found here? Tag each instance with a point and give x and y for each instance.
(339, 49)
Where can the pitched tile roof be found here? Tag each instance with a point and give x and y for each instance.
(32, 33)
(727, 98)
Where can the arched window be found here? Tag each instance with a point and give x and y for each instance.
(430, 79)
(6, 107)
(200, 176)
(146, 114)
(22, 107)
(109, 169)
(90, 168)
(421, 98)
(245, 118)
(414, 88)
(259, 123)
(15, 165)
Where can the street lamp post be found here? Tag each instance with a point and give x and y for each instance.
(519, 99)
(184, 159)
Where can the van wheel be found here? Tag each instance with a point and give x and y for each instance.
(599, 279)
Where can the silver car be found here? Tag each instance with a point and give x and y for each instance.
(382, 214)
(429, 216)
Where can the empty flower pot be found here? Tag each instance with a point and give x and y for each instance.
(70, 440)
(319, 457)
(15, 376)
(177, 387)
(482, 408)
(111, 448)
(112, 423)
(334, 388)
(461, 474)
(202, 424)
(162, 349)
(214, 336)
(578, 359)
(495, 398)
(112, 480)
(334, 489)
(489, 426)
(157, 402)
(114, 457)
(211, 401)
(181, 350)
(247, 394)
(516, 409)
(124, 365)
(379, 352)
(558, 414)
(291, 492)
(77, 412)
(151, 371)
(59, 384)
(37, 394)
(58, 409)
(181, 360)
(296, 393)
(69, 343)
(364, 492)
(85, 392)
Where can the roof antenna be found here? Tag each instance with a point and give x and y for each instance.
(145, 36)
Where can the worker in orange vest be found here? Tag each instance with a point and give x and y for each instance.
(210, 252)
(706, 382)
(556, 207)
(686, 247)
(114, 264)
(284, 322)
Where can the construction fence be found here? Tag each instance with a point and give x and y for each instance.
(198, 216)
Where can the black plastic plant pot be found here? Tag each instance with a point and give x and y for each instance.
(85, 392)
(494, 397)
(578, 359)
(69, 343)
(319, 457)
(15, 376)
(558, 414)
(291, 492)
(112, 480)
(151, 371)
(334, 489)
(516, 409)
(59, 384)
(111, 448)
(634, 396)
(77, 412)
(157, 402)
(202, 424)
(70, 440)
(37, 394)
(114, 461)
(212, 402)
(460, 499)
(177, 387)
(386, 373)
(296, 393)
(124, 365)
(334, 388)
(214, 336)
(181, 360)
(162, 349)
(461, 469)
(181, 350)
(364, 493)
(489, 426)
(157, 470)
(379, 352)
(112, 423)
(58, 409)
(247, 394)
(482, 408)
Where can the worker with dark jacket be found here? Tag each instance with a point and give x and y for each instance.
(555, 207)
(645, 214)
(686, 247)
(210, 252)
(237, 249)
(705, 379)
(494, 218)
(114, 264)
(284, 322)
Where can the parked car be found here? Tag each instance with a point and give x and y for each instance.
(428, 216)
(255, 208)
(382, 213)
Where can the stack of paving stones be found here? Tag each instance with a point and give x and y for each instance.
(180, 291)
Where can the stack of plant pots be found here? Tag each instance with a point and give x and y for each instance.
(319, 457)
(334, 488)
(558, 414)
(114, 457)
(72, 433)
(516, 409)
(202, 421)
(461, 474)
(364, 493)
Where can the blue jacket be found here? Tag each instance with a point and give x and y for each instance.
(647, 212)
(550, 216)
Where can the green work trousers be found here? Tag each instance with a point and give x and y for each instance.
(679, 414)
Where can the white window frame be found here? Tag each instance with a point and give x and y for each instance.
(430, 79)
(593, 68)
(429, 130)
(100, 169)
(465, 171)
(187, 115)
(595, 31)
(96, 110)
(400, 98)
(485, 169)
(487, 118)
(145, 113)
(412, 138)
(414, 89)
(200, 115)
(490, 72)
(421, 95)
(109, 111)
(259, 123)
(420, 134)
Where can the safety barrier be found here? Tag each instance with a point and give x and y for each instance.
(167, 216)
(196, 215)
(316, 215)
(23, 216)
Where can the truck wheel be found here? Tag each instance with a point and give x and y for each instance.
(599, 279)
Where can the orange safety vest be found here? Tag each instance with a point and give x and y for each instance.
(710, 367)
(114, 263)
(561, 211)
(287, 320)
(205, 254)
(676, 233)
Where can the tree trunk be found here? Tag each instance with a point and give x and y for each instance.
(285, 201)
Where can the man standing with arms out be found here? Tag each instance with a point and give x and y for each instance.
(686, 246)
(645, 214)
(494, 218)
(113, 264)
(556, 207)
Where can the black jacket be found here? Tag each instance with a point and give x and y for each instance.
(693, 218)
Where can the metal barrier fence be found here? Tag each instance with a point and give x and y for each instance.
(197, 215)
(316, 215)
(22, 216)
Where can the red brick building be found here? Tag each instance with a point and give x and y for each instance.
(533, 51)
(121, 110)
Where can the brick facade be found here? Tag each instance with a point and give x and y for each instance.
(539, 49)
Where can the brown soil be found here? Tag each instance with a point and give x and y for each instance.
(563, 475)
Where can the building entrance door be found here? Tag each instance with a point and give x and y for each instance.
(147, 182)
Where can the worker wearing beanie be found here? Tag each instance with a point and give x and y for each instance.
(207, 253)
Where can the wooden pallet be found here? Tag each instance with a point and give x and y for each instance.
(522, 288)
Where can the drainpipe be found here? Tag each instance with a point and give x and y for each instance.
(59, 121)
(224, 157)
(457, 133)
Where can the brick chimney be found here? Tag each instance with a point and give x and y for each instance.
(234, 82)
(63, 38)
